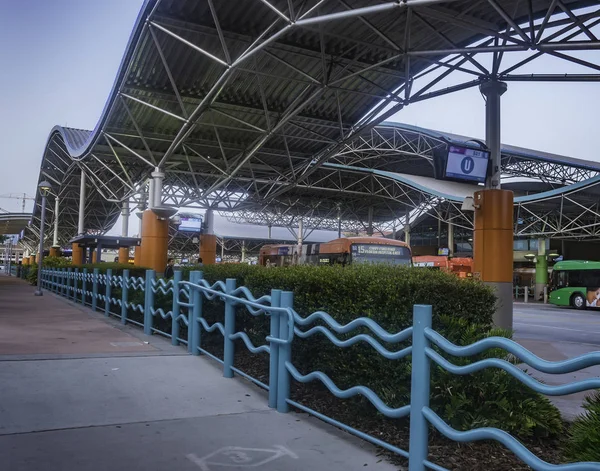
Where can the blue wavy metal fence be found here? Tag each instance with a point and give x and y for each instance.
(188, 299)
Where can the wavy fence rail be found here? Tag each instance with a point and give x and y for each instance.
(188, 302)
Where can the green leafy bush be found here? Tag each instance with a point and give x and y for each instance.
(48, 262)
(462, 312)
(583, 442)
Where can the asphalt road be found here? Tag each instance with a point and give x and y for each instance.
(556, 324)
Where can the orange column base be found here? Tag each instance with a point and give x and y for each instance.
(155, 240)
(77, 258)
(31, 259)
(208, 249)
(137, 256)
(25, 261)
(37, 258)
(493, 236)
(54, 252)
(123, 254)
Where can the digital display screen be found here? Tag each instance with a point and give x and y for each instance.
(372, 253)
(468, 164)
(190, 224)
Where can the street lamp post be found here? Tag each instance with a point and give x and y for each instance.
(44, 188)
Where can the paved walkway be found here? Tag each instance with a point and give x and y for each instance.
(79, 392)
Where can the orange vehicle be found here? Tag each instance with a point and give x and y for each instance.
(462, 266)
(339, 251)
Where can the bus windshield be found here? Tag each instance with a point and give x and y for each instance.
(375, 253)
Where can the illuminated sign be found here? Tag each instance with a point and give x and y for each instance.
(467, 164)
(189, 224)
(377, 250)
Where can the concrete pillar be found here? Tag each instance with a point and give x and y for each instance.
(32, 259)
(157, 177)
(37, 258)
(492, 91)
(370, 222)
(208, 240)
(54, 252)
(269, 229)
(493, 248)
(541, 269)
(155, 240)
(98, 253)
(55, 235)
(77, 255)
(125, 219)
(243, 251)
(123, 254)
(137, 256)
(450, 239)
(94, 256)
(81, 220)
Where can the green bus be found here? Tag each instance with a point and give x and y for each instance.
(575, 283)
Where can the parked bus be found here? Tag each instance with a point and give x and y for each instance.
(339, 251)
(461, 266)
(575, 283)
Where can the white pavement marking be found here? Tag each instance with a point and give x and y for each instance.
(556, 328)
(240, 457)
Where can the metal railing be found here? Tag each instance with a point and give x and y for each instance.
(428, 346)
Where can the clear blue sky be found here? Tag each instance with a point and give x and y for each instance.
(59, 59)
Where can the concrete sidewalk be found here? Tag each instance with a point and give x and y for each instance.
(82, 392)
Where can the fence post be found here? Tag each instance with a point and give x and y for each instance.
(68, 288)
(75, 284)
(124, 295)
(148, 302)
(61, 277)
(55, 279)
(197, 299)
(177, 277)
(107, 292)
(419, 389)
(285, 353)
(95, 289)
(84, 286)
(274, 346)
(229, 345)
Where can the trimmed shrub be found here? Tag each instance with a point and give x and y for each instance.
(583, 442)
(462, 312)
(47, 262)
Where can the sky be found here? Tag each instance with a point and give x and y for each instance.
(59, 58)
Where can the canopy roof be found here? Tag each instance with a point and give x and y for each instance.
(242, 111)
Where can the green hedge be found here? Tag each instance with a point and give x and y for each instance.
(462, 311)
(583, 443)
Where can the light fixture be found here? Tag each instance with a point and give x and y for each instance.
(530, 256)
(44, 188)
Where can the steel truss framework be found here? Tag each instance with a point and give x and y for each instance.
(244, 112)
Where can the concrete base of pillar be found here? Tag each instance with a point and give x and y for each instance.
(539, 291)
(94, 257)
(37, 258)
(124, 255)
(503, 317)
(208, 249)
(137, 256)
(54, 251)
(31, 259)
(155, 240)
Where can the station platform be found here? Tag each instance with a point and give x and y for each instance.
(83, 392)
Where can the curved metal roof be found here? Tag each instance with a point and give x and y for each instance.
(241, 111)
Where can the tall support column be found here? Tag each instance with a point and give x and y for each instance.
(55, 249)
(155, 240)
(493, 234)
(124, 251)
(137, 253)
(208, 240)
(77, 257)
(450, 239)
(157, 177)
(81, 220)
(243, 251)
(493, 249)
(269, 227)
(370, 222)
(541, 269)
(407, 227)
(492, 91)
